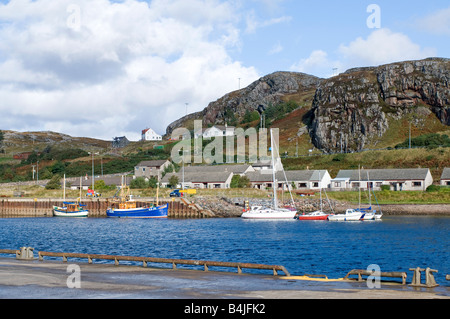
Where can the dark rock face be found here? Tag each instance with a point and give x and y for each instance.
(352, 109)
(266, 91)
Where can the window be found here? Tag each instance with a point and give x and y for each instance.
(417, 184)
(315, 184)
(302, 185)
(337, 184)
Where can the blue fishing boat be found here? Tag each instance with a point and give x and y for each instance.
(125, 207)
(142, 212)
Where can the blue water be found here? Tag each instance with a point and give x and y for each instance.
(331, 248)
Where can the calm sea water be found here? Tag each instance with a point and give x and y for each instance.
(331, 248)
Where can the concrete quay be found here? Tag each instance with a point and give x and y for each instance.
(51, 279)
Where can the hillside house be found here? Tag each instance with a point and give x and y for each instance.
(215, 131)
(409, 179)
(445, 177)
(150, 135)
(150, 169)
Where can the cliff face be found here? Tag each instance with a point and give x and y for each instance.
(268, 90)
(349, 111)
(352, 109)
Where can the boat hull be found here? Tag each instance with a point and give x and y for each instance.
(152, 212)
(61, 212)
(269, 214)
(312, 217)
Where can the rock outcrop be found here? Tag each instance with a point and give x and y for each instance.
(352, 109)
(269, 90)
(349, 111)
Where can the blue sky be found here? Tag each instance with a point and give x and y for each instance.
(102, 68)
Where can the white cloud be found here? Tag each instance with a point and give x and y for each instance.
(382, 46)
(253, 23)
(318, 63)
(437, 22)
(129, 65)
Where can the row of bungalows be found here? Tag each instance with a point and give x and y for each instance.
(260, 176)
(409, 179)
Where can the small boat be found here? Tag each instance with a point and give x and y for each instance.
(139, 212)
(350, 215)
(259, 212)
(70, 209)
(318, 215)
(126, 207)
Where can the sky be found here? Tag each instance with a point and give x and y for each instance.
(100, 68)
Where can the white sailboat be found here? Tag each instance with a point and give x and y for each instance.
(275, 212)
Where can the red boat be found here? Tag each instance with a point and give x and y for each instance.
(313, 216)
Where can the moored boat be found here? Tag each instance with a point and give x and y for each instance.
(349, 215)
(259, 212)
(70, 210)
(318, 215)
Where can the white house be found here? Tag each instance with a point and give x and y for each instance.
(150, 135)
(215, 131)
(300, 180)
(445, 177)
(407, 179)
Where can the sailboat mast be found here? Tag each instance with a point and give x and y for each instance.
(275, 200)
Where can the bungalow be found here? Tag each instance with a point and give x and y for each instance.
(215, 131)
(445, 177)
(409, 179)
(202, 180)
(86, 182)
(239, 169)
(306, 180)
(149, 169)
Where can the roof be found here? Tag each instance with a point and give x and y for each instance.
(156, 163)
(199, 177)
(236, 169)
(445, 173)
(266, 176)
(384, 174)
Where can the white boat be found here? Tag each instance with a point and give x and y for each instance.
(70, 209)
(259, 212)
(350, 215)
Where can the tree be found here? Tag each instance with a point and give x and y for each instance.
(54, 183)
(173, 181)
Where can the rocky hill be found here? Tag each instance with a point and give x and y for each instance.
(361, 108)
(269, 90)
(16, 142)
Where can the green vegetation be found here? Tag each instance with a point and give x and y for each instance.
(428, 140)
(440, 196)
(277, 112)
(238, 181)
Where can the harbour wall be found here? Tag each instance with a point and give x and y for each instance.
(178, 208)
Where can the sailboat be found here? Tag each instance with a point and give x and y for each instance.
(70, 209)
(317, 215)
(275, 212)
(370, 214)
(126, 207)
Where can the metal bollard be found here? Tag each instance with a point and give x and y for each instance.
(26, 253)
(429, 278)
(430, 281)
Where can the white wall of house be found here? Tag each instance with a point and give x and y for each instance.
(150, 135)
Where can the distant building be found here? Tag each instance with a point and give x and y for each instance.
(445, 177)
(408, 179)
(150, 135)
(200, 180)
(215, 131)
(300, 180)
(119, 142)
(149, 169)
